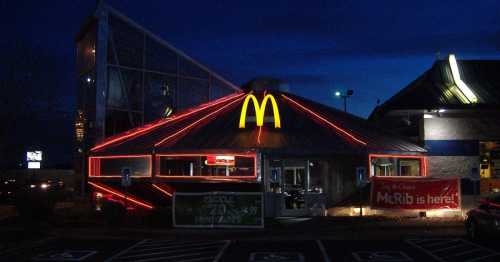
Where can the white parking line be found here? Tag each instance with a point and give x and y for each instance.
(222, 250)
(156, 250)
(176, 247)
(125, 250)
(323, 251)
(428, 247)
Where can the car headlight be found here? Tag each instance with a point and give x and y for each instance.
(44, 186)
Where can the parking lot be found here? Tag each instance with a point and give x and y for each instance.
(405, 250)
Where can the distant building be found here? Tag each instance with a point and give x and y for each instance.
(453, 110)
(127, 76)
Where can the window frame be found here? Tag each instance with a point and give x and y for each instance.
(93, 165)
(421, 158)
(249, 155)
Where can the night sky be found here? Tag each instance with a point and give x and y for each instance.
(373, 47)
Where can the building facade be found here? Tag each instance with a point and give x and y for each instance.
(300, 156)
(127, 76)
(453, 110)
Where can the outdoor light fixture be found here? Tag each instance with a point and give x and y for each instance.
(458, 81)
(89, 79)
(348, 94)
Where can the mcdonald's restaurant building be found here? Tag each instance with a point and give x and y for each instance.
(296, 157)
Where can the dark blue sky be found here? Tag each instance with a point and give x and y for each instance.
(373, 47)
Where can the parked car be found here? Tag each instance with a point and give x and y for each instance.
(484, 221)
(7, 190)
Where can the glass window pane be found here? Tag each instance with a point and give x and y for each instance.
(139, 166)
(200, 166)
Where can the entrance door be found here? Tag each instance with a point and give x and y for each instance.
(294, 188)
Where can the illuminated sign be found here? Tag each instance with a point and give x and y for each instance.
(34, 156)
(260, 110)
(33, 165)
(213, 160)
(471, 97)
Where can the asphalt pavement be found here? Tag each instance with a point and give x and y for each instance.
(161, 249)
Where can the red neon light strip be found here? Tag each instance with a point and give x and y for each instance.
(97, 159)
(423, 162)
(146, 129)
(258, 135)
(163, 190)
(122, 196)
(183, 130)
(339, 129)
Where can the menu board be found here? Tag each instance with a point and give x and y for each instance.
(218, 210)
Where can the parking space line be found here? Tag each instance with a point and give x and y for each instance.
(165, 252)
(125, 250)
(467, 247)
(424, 250)
(483, 257)
(195, 259)
(466, 252)
(222, 250)
(448, 248)
(172, 257)
(173, 247)
(321, 247)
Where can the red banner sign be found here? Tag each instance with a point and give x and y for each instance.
(415, 193)
(213, 160)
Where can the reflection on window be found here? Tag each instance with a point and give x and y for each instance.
(394, 166)
(205, 166)
(140, 166)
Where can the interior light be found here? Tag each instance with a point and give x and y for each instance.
(458, 81)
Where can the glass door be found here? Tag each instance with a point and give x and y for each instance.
(294, 187)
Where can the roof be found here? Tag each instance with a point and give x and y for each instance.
(436, 88)
(307, 127)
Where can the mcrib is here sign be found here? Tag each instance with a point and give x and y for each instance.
(415, 193)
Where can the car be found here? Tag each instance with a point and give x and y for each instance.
(484, 221)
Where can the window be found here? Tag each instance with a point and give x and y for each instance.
(206, 165)
(391, 165)
(112, 166)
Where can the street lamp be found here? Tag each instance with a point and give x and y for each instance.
(344, 96)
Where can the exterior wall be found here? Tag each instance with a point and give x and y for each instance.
(474, 127)
(463, 166)
(453, 143)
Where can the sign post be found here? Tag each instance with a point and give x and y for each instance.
(126, 181)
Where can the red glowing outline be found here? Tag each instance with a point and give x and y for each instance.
(223, 178)
(258, 135)
(423, 163)
(148, 127)
(122, 196)
(325, 120)
(162, 190)
(183, 130)
(98, 163)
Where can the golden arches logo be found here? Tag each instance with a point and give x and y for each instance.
(260, 110)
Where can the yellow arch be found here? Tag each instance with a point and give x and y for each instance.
(260, 110)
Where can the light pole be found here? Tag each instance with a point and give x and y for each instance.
(344, 96)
